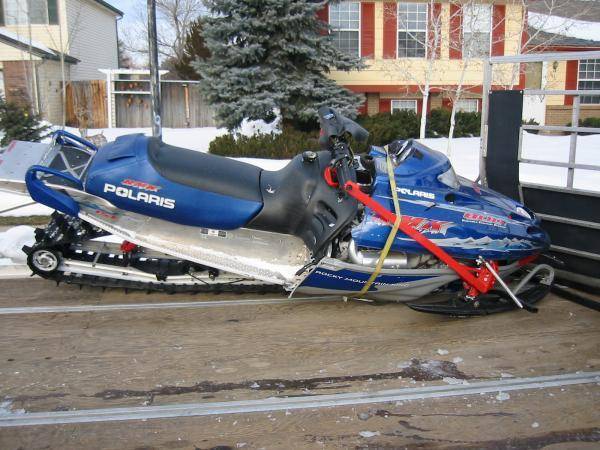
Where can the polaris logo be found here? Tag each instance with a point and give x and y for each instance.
(145, 197)
(415, 193)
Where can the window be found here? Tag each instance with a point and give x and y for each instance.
(412, 30)
(23, 12)
(467, 105)
(404, 105)
(477, 24)
(344, 18)
(589, 78)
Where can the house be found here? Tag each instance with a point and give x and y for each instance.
(564, 75)
(408, 46)
(43, 42)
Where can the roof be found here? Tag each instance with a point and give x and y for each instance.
(109, 6)
(546, 39)
(572, 9)
(37, 49)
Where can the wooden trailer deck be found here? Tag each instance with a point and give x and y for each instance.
(204, 372)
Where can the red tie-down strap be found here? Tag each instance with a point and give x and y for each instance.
(478, 280)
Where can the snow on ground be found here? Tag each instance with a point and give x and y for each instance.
(11, 242)
(465, 158)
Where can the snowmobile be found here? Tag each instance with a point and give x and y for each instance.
(396, 224)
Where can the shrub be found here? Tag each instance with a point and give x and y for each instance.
(18, 124)
(438, 122)
(285, 145)
(384, 128)
(466, 124)
(531, 122)
(591, 122)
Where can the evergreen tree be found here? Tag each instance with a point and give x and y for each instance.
(194, 49)
(16, 123)
(271, 54)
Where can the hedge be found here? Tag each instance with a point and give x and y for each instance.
(285, 145)
(383, 128)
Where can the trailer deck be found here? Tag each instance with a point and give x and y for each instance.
(102, 369)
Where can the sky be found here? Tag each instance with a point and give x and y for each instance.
(128, 7)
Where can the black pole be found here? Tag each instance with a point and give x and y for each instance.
(154, 74)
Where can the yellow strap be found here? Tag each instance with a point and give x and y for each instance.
(393, 231)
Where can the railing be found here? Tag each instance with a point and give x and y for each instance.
(571, 212)
(574, 129)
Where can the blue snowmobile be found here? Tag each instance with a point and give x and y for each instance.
(394, 225)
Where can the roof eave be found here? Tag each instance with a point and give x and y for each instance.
(37, 51)
(111, 7)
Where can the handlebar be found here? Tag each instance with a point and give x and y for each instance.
(335, 128)
(343, 163)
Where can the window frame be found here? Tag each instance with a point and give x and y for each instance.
(405, 30)
(468, 100)
(413, 100)
(359, 54)
(51, 10)
(491, 26)
(579, 80)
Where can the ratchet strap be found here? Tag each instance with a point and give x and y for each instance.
(393, 231)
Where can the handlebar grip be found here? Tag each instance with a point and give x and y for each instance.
(344, 173)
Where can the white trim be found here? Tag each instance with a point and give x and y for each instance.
(468, 100)
(426, 43)
(349, 29)
(491, 28)
(586, 79)
(415, 102)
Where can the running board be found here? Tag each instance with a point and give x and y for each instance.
(260, 255)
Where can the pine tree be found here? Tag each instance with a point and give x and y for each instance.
(16, 123)
(194, 49)
(271, 54)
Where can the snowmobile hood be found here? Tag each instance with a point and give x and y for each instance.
(461, 216)
(428, 168)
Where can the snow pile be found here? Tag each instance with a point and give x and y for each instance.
(253, 127)
(579, 29)
(12, 240)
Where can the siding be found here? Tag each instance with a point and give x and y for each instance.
(92, 37)
(48, 35)
(50, 92)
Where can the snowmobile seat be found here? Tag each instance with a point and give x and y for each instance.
(205, 172)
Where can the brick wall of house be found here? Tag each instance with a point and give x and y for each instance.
(18, 82)
(560, 115)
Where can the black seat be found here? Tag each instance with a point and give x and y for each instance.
(205, 172)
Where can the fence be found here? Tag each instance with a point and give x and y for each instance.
(86, 104)
(182, 105)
